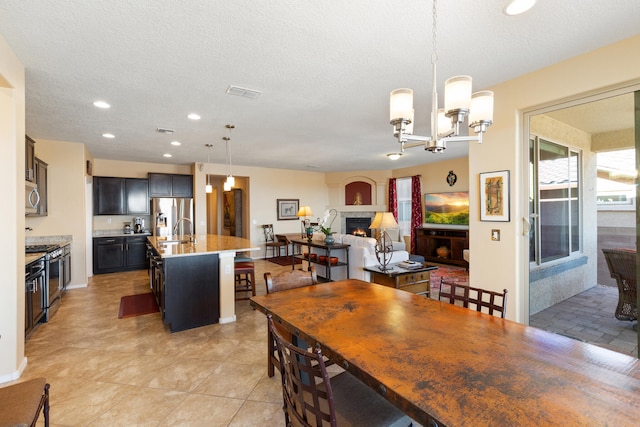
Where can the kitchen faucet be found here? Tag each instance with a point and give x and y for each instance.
(175, 227)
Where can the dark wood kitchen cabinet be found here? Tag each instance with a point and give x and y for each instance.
(120, 196)
(170, 185)
(29, 159)
(115, 254)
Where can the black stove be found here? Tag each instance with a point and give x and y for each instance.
(40, 248)
(53, 250)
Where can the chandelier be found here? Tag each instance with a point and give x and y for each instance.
(445, 123)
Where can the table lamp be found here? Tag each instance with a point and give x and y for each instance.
(384, 246)
(307, 230)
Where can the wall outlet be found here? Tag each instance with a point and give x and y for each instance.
(108, 220)
(495, 235)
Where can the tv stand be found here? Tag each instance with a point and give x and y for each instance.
(455, 240)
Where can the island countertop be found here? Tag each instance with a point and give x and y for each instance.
(204, 244)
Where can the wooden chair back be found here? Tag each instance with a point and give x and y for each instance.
(290, 280)
(478, 298)
(622, 267)
(306, 389)
(268, 233)
(281, 282)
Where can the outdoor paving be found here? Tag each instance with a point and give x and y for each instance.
(589, 317)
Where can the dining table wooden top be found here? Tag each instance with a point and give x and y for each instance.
(444, 363)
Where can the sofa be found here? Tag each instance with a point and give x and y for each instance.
(362, 254)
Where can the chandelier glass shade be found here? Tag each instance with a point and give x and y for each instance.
(459, 104)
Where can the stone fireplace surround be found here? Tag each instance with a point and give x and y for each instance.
(363, 214)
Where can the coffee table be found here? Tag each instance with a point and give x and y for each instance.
(416, 280)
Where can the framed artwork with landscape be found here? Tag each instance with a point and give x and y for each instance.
(288, 209)
(494, 196)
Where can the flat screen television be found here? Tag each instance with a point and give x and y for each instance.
(447, 208)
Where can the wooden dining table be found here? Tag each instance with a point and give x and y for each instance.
(455, 366)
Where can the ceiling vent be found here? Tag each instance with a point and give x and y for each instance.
(244, 92)
(165, 130)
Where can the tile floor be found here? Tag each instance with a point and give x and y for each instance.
(589, 317)
(124, 372)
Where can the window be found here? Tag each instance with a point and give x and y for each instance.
(616, 189)
(403, 191)
(555, 200)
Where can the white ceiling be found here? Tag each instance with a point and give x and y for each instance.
(324, 68)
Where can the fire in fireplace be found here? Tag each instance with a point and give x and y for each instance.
(358, 226)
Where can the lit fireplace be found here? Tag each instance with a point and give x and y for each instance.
(359, 232)
(358, 226)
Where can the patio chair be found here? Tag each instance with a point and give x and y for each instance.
(479, 298)
(622, 266)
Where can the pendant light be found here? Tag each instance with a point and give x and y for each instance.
(208, 188)
(231, 181)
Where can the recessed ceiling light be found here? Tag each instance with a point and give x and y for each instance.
(516, 7)
(167, 155)
(176, 143)
(101, 104)
(394, 156)
(194, 116)
(108, 135)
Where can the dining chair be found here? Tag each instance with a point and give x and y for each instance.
(272, 242)
(313, 399)
(478, 298)
(286, 280)
(622, 267)
(21, 403)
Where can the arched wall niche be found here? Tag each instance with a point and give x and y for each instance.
(357, 193)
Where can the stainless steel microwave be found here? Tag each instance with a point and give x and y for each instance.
(31, 198)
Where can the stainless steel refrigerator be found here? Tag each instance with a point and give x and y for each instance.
(169, 211)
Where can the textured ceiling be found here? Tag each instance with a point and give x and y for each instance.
(324, 68)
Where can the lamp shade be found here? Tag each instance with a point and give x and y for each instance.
(444, 124)
(457, 93)
(226, 186)
(401, 104)
(208, 188)
(383, 221)
(481, 107)
(231, 181)
(304, 211)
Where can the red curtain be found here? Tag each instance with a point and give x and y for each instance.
(416, 210)
(393, 198)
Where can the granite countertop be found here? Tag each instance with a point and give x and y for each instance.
(29, 258)
(204, 244)
(118, 233)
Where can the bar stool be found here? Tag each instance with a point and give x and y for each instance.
(21, 403)
(245, 279)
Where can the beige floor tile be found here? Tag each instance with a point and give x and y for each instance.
(268, 389)
(231, 380)
(259, 414)
(203, 411)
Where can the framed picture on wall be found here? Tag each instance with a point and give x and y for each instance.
(288, 209)
(494, 196)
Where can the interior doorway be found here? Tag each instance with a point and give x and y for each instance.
(582, 197)
(228, 211)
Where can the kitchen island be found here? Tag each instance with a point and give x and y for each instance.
(194, 281)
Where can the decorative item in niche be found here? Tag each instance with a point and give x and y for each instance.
(357, 199)
(357, 191)
(494, 196)
(451, 178)
(288, 209)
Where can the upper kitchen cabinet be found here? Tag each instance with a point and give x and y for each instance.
(168, 185)
(30, 159)
(137, 194)
(120, 196)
